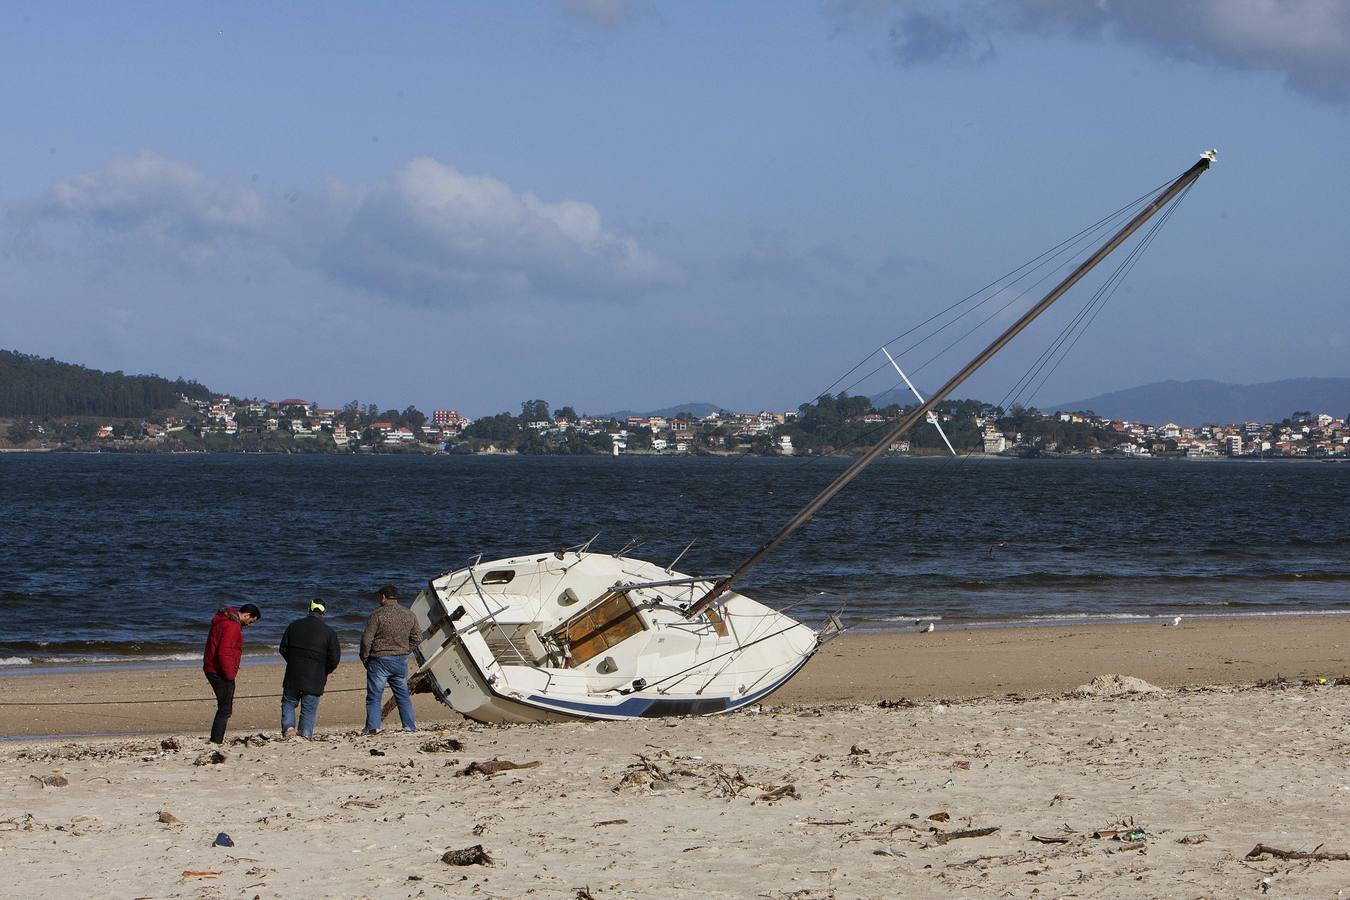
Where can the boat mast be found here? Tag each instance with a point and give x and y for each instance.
(917, 415)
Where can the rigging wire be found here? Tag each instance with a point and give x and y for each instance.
(1132, 260)
(997, 281)
(1098, 300)
(1074, 330)
(1071, 245)
(1091, 310)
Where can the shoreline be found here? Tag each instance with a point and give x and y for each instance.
(952, 664)
(188, 658)
(972, 456)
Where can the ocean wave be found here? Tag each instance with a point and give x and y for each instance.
(1054, 620)
(15, 661)
(125, 658)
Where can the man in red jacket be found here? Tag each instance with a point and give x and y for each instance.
(224, 647)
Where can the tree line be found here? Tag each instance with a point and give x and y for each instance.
(42, 388)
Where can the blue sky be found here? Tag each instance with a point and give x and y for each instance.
(628, 205)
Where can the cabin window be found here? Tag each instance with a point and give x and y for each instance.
(608, 621)
(499, 576)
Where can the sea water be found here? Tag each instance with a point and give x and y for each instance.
(115, 557)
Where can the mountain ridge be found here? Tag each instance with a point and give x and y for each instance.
(1209, 402)
(696, 409)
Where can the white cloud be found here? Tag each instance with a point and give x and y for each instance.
(1307, 41)
(432, 233)
(428, 234)
(152, 204)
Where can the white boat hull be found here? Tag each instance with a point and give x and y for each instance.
(558, 636)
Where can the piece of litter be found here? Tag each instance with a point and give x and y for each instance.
(222, 840)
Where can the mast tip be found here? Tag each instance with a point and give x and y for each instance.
(1210, 155)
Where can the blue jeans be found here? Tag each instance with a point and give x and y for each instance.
(392, 670)
(309, 711)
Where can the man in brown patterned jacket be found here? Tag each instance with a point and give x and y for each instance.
(390, 635)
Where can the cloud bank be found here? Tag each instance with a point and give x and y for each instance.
(154, 204)
(607, 14)
(428, 234)
(1307, 42)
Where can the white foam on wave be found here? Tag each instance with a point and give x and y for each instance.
(103, 660)
(15, 661)
(1050, 620)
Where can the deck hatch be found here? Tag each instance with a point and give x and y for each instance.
(609, 620)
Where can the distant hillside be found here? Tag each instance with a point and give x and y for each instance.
(670, 412)
(32, 386)
(1213, 402)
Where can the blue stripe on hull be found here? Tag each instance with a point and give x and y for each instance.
(643, 707)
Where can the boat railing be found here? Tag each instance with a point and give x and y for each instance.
(491, 614)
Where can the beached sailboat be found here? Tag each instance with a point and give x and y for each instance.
(572, 634)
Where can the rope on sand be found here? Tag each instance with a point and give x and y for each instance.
(171, 700)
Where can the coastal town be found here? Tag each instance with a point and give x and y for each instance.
(830, 425)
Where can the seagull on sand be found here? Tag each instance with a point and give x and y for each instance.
(1176, 621)
(927, 628)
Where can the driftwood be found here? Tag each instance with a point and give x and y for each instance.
(778, 793)
(417, 684)
(443, 745)
(1261, 850)
(941, 838)
(469, 856)
(493, 766)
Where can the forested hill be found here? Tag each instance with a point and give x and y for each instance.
(32, 386)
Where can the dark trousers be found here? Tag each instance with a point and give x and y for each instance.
(224, 705)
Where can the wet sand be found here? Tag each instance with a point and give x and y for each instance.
(855, 668)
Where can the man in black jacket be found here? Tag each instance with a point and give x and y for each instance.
(311, 651)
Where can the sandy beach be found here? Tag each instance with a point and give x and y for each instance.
(983, 774)
(855, 668)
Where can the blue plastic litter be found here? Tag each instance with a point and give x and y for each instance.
(222, 840)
